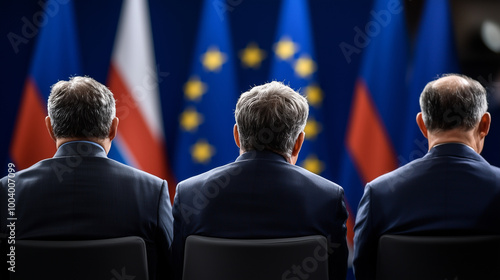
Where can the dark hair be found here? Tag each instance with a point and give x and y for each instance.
(457, 102)
(81, 108)
(271, 116)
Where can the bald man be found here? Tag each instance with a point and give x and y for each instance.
(452, 190)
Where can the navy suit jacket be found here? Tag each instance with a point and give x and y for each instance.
(261, 195)
(81, 194)
(452, 190)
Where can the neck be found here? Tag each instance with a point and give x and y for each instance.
(291, 160)
(105, 143)
(455, 136)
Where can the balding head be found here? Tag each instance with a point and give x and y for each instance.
(453, 102)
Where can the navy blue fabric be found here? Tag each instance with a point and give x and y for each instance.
(81, 194)
(452, 190)
(260, 195)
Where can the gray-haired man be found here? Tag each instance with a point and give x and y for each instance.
(80, 193)
(263, 194)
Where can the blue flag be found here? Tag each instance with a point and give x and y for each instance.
(435, 54)
(377, 117)
(205, 138)
(56, 57)
(294, 64)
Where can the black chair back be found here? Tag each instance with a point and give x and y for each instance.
(209, 258)
(440, 257)
(106, 259)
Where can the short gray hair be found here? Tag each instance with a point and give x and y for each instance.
(271, 116)
(81, 108)
(457, 102)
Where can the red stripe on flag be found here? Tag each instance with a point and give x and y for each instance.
(31, 141)
(148, 151)
(367, 139)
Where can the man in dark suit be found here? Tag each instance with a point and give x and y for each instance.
(81, 194)
(263, 194)
(452, 190)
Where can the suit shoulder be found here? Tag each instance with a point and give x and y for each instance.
(494, 172)
(36, 166)
(399, 174)
(224, 170)
(495, 169)
(109, 166)
(132, 171)
(314, 177)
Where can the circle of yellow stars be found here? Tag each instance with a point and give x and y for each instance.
(252, 57)
(304, 67)
(194, 89)
(285, 49)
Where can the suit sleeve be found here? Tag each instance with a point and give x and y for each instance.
(337, 262)
(365, 240)
(164, 233)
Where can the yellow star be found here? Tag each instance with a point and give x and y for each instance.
(305, 66)
(251, 56)
(190, 119)
(313, 164)
(285, 48)
(194, 88)
(202, 151)
(314, 95)
(213, 59)
(312, 129)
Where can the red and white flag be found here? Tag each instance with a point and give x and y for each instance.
(133, 79)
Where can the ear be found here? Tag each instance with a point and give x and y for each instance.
(113, 129)
(296, 147)
(48, 124)
(236, 136)
(421, 124)
(484, 125)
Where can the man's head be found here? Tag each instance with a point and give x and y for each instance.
(454, 109)
(81, 109)
(271, 116)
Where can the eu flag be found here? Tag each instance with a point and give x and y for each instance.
(56, 57)
(294, 64)
(206, 122)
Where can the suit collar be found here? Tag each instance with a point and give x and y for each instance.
(80, 148)
(264, 154)
(454, 149)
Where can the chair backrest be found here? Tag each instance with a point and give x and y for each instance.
(249, 259)
(107, 259)
(439, 257)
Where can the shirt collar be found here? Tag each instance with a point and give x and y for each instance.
(437, 145)
(83, 141)
(264, 154)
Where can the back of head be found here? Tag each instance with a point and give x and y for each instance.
(453, 102)
(81, 108)
(270, 116)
